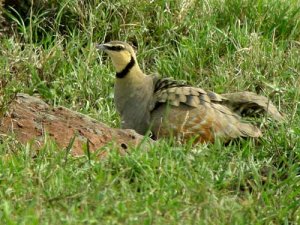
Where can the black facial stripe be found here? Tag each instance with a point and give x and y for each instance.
(116, 48)
(126, 70)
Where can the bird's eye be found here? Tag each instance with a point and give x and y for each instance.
(115, 48)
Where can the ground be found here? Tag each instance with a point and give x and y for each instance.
(224, 46)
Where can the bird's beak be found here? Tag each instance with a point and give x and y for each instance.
(101, 47)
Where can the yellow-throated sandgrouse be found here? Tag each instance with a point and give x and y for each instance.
(169, 108)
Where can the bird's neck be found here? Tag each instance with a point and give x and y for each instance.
(126, 70)
(131, 72)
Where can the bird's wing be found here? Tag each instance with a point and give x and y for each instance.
(210, 111)
(244, 103)
(176, 92)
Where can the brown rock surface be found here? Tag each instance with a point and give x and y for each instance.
(30, 118)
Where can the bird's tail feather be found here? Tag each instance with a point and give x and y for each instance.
(251, 104)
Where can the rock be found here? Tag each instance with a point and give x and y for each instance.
(30, 118)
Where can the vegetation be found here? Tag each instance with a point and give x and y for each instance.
(223, 46)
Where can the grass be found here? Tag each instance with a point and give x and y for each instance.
(222, 46)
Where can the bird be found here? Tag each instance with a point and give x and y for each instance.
(169, 108)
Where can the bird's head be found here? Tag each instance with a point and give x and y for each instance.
(121, 54)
